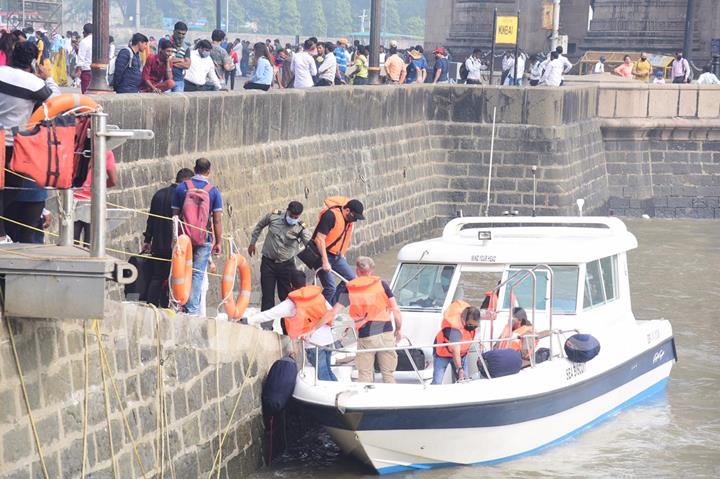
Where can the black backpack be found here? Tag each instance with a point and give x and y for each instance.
(463, 72)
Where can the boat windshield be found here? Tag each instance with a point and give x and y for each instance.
(423, 285)
(564, 290)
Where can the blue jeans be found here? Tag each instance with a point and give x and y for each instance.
(340, 265)
(324, 370)
(440, 364)
(179, 86)
(201, 254)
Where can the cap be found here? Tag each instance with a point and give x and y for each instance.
(439, 50)
(659, 73)
(343, 41)
(41, 30)
(357, 208)
(393, 44)
(415, 54)
(164, 43)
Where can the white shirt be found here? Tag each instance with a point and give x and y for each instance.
(506, 63)
(566, 64)
(304, 68)
(84, 56)
(286, 309)
(536, 71)
(520, 68)
(474, 67)
(326, 70)
(201, 69)
(708, 78)
(599, 68)
(553, 73)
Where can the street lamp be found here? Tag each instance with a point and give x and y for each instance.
(375, 22)
(100, 46)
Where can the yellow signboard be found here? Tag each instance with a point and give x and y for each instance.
(547, 16)
(506, 30)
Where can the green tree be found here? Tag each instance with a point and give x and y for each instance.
(266, 13)
(415, 26)
(291, 22)
(339, 17)
(391, 23)
(313, 18)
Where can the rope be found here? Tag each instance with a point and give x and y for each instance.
(85, 398)
(106, 398)
(27, 400)
(105, 365)
(216, 462)
(160, 381)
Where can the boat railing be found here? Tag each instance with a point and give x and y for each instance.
(529, 340)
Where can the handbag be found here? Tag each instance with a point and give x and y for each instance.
(310, 256)
(46, 152)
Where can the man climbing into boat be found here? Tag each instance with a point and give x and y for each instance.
(371, 301)
(459, 324)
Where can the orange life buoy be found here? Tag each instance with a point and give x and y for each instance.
(181, 269)
(60, 104)
(236, 308)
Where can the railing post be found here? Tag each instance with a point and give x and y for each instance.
(98, 212)
(66, 218)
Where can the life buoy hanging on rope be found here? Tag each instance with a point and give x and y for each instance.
(181, 269)
(60, 104)
(236, 308)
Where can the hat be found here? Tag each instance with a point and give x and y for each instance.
(41, 30)
(659, 73)
(439, 50)
(357, 208)
(393, 43)
(343, 41)
(164, 43)
(415, 54)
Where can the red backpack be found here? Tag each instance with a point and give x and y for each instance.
(196, 212)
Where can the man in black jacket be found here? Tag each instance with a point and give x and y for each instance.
(158, 239)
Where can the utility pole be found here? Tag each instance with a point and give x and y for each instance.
(218, 14)
(375, 22)
(100, 46)
(556, 25)
(137, 15)
(689, 27)
(362, 20)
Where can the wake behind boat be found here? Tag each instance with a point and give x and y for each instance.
(570, 275)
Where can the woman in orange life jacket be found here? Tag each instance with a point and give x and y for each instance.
(459, 324)
(301, 315)
(515, 336)
(370, 301)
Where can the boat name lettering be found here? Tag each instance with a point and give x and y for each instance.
(575, 370)
(653, 336)
(658, 355)
(484, 258)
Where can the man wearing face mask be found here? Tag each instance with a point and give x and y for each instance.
(286, 234)
(201, 75)
(459, 324)
(181, 56)
(680, 71)
(642, 68)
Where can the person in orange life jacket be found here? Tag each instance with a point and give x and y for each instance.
(371, 301)
(459, 324)
(301, 315)
(201, 253)
(516, 336)
(332, 239)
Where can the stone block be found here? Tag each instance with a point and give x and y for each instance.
(708, 101)
(631, 103)
(663, 101)
(468, 105)
(508, 102)
(16, 444)
(688, 104)
(544, 106)
(606, 98)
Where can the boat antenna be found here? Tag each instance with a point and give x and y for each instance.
(492, 150)
(534, 171)
(580, 203)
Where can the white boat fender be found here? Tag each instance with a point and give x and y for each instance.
(581, 348)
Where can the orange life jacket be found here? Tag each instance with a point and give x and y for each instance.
(452, 319)
(518, 344)
(368, 301)
(309, 310)
(338, 238)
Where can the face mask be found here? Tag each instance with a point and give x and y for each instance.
(470, 327)
(291, 221)
(204, 54)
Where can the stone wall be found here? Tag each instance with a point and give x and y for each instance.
(207, 367)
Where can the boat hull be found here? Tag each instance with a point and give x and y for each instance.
(393, 440)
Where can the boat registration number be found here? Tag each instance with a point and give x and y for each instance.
(575, 370)
(483, 258)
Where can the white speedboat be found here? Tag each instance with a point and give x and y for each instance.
(569, 274)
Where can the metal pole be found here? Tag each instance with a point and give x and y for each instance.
(100, 46)
(137, 15)
(375, 21)
(227, 16)
(218, 14)
(492, 150)
(517, 43)
(534, 172)
(556, 25)
(66, 218)
(689, 27)
(98, 214)
(492, 49)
